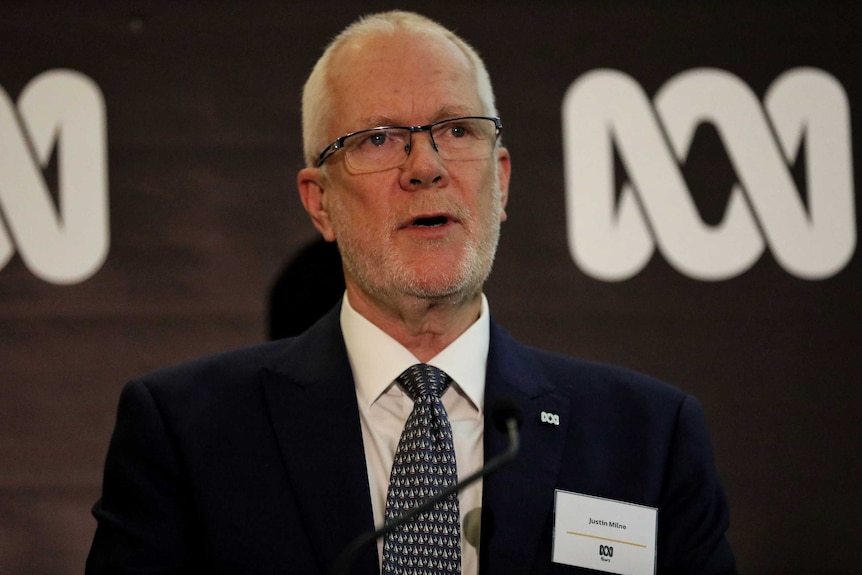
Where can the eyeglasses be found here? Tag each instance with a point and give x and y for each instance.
(386, 147)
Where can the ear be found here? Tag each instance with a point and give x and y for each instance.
(504, 171)
(311, 184)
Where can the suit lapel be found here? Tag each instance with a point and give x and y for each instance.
(312, 405)
(517, 501)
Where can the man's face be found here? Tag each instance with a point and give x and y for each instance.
(428, 228)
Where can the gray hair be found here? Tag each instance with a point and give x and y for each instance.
(316, 100)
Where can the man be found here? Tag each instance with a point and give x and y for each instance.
(274, 458)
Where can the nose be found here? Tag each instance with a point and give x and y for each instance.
(424, 167)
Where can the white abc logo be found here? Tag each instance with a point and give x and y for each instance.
(612, 240)
(66, 242)
(551, 418)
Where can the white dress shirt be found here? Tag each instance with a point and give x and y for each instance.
(376, 360)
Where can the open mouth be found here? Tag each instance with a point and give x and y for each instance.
(432, 222)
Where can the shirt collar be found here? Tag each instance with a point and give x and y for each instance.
(377, 359)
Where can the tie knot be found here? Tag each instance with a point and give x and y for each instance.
(423, 380)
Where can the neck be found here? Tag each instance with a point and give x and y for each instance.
(424, 326)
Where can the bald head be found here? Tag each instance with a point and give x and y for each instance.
(399, 31)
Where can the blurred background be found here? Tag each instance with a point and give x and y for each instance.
(148, 155)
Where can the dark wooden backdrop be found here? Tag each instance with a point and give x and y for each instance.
(203, 146)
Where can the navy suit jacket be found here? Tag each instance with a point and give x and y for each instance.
(252, 462)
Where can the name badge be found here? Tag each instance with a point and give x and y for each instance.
(603, 534)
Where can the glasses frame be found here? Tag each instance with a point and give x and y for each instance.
(339, 143)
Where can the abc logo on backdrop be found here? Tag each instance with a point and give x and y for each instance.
(612, 236)
(66, 241)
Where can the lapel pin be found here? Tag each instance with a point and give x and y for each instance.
(550, 418)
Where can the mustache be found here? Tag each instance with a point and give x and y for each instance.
(451, 209)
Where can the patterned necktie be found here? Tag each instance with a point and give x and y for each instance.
(424, 464)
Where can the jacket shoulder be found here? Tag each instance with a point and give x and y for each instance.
(599, 378)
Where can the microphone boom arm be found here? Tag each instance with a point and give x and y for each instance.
(339, 567)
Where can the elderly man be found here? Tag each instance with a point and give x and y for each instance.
(274, 458)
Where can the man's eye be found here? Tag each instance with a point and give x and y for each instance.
(458, 131)
(377, 139)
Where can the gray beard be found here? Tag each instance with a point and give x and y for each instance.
(384, 276)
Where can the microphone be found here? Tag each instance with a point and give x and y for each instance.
(506, 416)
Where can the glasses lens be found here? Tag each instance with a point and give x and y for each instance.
(377, 149)
(465, 138)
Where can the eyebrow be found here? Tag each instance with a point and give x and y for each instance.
(441, 114)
